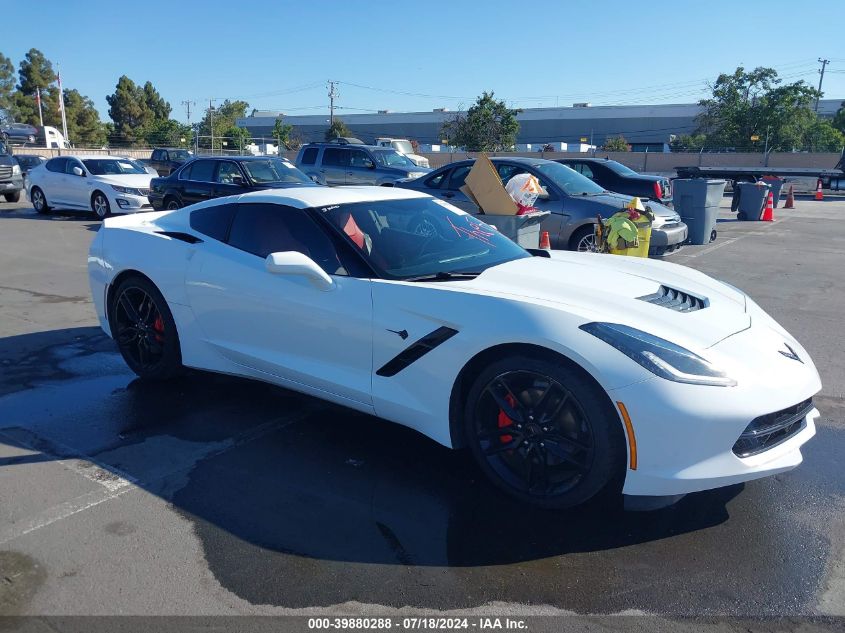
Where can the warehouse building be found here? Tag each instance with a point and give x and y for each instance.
(650, 127)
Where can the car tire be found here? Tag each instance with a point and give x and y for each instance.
(583, 240)
(100, 205)
(523, 411)
(171, 203)
(39, 201)
(13, 197)
(144, 329)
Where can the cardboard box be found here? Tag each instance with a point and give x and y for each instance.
(484, 187)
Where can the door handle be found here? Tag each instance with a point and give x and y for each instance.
(448, 194)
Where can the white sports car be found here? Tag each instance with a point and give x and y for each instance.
(101, 184)
(564, 374)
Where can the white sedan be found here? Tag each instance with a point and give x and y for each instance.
(102, 184)
(563, 373)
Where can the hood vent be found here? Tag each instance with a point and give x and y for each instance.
(677, 300)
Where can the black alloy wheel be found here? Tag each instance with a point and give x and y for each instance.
(543, 433)
(144, 329)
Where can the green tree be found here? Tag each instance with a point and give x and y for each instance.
(159, 108)
(282, 133)
(7, 82)
(824, 137)
(839, 118)
(129, 110)
(337, 129)
(224, 117)
(35, 71)
(168, 132)
(488, 126)
(236, 138)
(84, 127)
(616, 144)
(688, 142)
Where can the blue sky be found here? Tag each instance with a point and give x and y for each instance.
(409, 56)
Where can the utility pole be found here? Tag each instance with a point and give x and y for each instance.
(188, 105)
(332, 96)
(823, 62)
(211, 121)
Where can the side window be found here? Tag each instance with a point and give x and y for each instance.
(71, 163)
(185, 174)
(202, 171)
(156, 155)
(435, 181)
(56, 165)
(359, 158)
(506, 172)
(262, 229)
(336, 157)
(213, 221)
(226, 173)
(585, 170)
(458, 177)
(309, 156)
(164, 155)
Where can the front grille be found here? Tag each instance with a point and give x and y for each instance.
(772, 429)
(5, 171)
(675, 300)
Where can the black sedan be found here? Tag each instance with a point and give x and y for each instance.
(616, 177)
(209, 177)
(19, 133)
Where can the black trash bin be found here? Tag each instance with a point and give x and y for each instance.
(697, 201)
(752, 198)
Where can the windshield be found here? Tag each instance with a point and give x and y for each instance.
(28, 161)
(403, 146)
(419, 237)
(110, 166)
(572, 183)
(620, 169)
(274, 170)
(392, 158)
(179, 154)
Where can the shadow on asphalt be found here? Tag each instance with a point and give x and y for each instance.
(310, 479)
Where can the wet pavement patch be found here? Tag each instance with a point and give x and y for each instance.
(20, 578)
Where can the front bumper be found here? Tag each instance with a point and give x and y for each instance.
(128, 203)
(667, 238)
(15, 183)
(685, 434)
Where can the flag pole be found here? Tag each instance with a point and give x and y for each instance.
(62, 104)
(38, 100)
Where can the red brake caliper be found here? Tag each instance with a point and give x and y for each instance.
(158, 326)
(504, 420)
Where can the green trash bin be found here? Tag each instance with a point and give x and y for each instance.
(697, 201)
(752, 199)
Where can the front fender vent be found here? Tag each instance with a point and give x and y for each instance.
(677, 300)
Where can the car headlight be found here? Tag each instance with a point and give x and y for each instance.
(16, 170)
(127, 190)
(659, 356)
(415, 174)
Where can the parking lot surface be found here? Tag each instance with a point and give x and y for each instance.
(214, 495)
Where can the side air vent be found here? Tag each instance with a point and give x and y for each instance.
(177, 235)
(675, 300)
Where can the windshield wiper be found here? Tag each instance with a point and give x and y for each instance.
(444, 276)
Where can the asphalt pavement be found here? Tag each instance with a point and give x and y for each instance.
(215, 495)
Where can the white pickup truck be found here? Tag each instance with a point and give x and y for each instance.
(403, 146)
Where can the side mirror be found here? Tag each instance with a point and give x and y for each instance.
(297, 264)
(369, 164)
(238, 180)
(78, 171)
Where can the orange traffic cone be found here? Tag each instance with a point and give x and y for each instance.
(819, 194)
(768, 212)
(545, 243)
(790, 199)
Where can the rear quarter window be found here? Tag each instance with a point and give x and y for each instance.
(213, 221)
(309, 156)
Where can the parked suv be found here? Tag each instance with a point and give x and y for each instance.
(11, 180)
(350, 164)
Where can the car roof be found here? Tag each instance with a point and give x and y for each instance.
(502, 159)
(348, 146)
(95, 156)
(587, 159)
(304, 197)
(238, 158)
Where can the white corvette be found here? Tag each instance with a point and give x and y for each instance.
(564, 375)
(101, 184)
